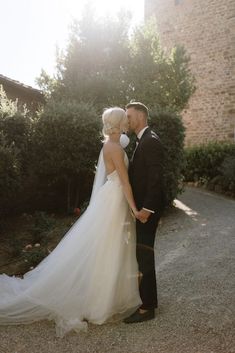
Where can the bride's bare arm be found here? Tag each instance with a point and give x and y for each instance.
(117, 156)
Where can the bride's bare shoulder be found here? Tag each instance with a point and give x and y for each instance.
(112, 147)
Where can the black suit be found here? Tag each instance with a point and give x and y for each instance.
(147, 184)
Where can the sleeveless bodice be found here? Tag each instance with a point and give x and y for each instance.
(114, 177)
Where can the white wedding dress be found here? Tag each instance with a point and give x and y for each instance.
(91, 276)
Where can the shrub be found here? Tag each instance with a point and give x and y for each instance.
(228, 168)
(66, 146)
(15, 161)
(10, 176)
(34, 256)
(212, 164)
(41, 226)
(205, 161)
(16, 125)
(47, 163)
(228, 174)
(169, 126)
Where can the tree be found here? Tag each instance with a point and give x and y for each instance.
(155, 78)
(170, 129)
(93, 67)
(106, 65)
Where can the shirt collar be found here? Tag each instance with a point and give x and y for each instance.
(140, 134)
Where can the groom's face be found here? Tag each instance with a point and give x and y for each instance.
(133, 119)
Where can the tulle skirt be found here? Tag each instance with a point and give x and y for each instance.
(91, 276)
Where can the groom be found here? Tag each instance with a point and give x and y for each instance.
(146, 180)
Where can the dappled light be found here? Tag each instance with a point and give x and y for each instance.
(186, 209)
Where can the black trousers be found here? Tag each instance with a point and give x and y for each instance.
(145, 233)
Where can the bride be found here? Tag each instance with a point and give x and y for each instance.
(92, 274)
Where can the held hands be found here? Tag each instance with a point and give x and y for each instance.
(134, 212)
(141, 215)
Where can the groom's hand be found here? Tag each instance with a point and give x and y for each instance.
(143, 215)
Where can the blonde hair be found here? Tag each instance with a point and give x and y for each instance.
(112, 119)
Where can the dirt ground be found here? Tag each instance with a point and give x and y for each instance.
(195, 263)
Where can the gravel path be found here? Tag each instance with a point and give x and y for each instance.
(195, 264)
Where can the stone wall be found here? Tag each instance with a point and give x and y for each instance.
(207, 30)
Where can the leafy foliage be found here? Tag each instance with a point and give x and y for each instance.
(7, 106)
(47, 162)
(66, 146)
(15, 134)
(206, 160)
(35, 256)
(10, 175)
(154, 78)
(169, 127)
(42, 224)
(228, 168)
(107, 66)
(93, 68)
(213, 165)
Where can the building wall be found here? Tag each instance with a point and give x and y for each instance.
(207, 30)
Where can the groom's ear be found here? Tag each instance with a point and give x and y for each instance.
(141, 115)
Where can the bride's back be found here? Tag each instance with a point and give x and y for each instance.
(110, 150)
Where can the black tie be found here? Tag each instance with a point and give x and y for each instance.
(137, 140)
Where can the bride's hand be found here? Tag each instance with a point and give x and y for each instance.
(138, 215)
(135, 213)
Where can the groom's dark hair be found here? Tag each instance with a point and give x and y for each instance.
(138, 106)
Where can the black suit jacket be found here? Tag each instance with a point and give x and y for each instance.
(146, 172)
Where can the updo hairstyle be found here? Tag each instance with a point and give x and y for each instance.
(112, 119)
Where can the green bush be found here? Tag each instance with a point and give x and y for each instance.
(16, 125)
(42, 224)
(205, 161)
(15, 150)
(34, 256)
(169, 127)
(66, 144)
(47, 163)
(10, 176)
(228, 174)
(212, 165)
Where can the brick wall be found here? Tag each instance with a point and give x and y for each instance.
(207, 30)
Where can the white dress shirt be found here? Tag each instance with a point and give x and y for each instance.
(140, 134)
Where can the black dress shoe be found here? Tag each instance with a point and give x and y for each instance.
(138, 317)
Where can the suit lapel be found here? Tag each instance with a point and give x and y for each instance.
(146, 132)
(137, 146)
